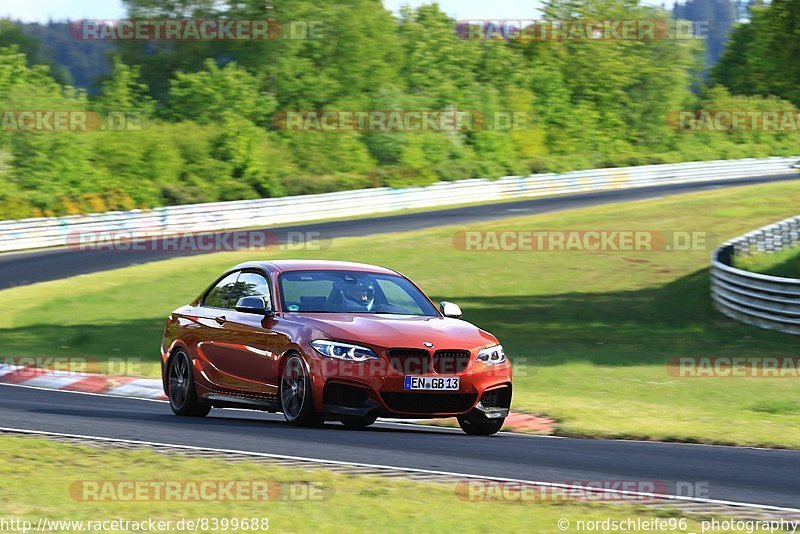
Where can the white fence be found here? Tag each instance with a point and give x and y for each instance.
(51, 232)
(760, 300)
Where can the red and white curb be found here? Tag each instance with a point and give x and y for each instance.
(151, 388)
(121, 386)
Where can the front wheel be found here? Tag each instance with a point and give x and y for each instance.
(182, 393)
(297, 403)
(479, 425)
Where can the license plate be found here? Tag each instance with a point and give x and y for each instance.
(432, 383)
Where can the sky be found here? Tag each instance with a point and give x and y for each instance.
(42, 10)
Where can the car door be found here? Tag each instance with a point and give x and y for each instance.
(240, 350)
(252, 347)
(213, 339)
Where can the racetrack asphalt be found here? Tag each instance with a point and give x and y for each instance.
(757, 476)
(23, 268)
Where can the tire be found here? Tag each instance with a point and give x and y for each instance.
(181, 391)
(479, 425)
(358, 424)
(297, 402)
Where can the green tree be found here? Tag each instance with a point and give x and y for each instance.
(209, 95)
(122, 92)
(762, 56)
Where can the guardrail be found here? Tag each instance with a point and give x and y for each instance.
(765, 301)
(51, 232)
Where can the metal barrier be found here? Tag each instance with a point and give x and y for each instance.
(757, 299)
(59, 231)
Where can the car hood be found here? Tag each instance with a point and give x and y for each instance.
(400, 331)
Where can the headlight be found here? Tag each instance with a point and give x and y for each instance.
(343, 351)
(492, 355)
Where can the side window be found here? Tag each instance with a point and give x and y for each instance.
(250, 285)
(219, 297)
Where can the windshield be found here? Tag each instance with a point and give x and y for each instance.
(352, 292)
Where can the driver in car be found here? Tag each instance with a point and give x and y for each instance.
(359, 297)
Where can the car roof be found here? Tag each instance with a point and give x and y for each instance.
(313, 265)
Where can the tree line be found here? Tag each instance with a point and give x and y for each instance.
(201, 116)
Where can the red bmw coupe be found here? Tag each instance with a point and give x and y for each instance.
(324, 340)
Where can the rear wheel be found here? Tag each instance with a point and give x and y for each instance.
(476, 424)
(297, 402)
(182, 393)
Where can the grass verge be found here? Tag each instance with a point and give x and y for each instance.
(590, 332)
(785, 263)
(36, 484)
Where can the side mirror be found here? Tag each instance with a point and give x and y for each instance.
(451, 310)
(256, 305)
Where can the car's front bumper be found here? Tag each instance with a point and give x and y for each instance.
(354, 390)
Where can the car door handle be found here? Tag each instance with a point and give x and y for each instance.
(221, 319)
